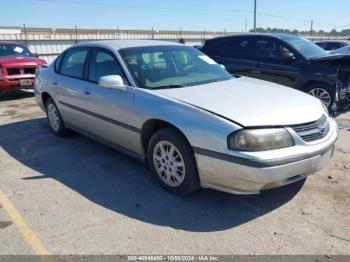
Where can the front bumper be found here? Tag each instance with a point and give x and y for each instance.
(250, 176)
(13, 82)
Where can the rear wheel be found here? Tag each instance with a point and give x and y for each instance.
(172, 162)
(54, 118)
(322, 92)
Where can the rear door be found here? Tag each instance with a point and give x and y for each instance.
(275, 62)
(235, 53)
(70, 87)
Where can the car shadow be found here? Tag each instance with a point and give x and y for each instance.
(9, 95)
(124, 185)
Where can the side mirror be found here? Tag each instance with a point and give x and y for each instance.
(290, 58)
(222, 66)
(36, 55)
(112, 81)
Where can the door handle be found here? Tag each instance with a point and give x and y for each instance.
(87, 92)
(255, 71)
(55, 83)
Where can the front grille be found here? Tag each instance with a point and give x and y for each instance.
(13, 71)
(29, 70)
(20, 71)
(313, 131)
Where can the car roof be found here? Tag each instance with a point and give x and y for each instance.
(332, 41)
(119, 44)
(273, 35)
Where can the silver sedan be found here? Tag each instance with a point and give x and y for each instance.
(190, 120)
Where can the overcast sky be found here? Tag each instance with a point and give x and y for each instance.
(215, 15)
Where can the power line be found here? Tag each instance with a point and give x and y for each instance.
(255, 12)
(145, 7)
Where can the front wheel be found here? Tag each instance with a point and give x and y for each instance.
(323, 93)
(172, 162)
(54, 118)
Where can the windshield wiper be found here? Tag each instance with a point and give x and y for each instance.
(168, 86)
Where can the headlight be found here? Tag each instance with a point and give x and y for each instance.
(259, 139)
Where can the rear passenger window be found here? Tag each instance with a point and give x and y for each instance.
(333, 45)
(73, 62)
(267, 48)
(235, 47)
(103, 63)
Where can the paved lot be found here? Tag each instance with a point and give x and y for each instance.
(75, 196)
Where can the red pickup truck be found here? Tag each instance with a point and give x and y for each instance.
(17, 66)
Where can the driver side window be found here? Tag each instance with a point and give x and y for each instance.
(103, 63)
(271, 50)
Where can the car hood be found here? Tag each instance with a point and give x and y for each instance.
(20, 60)
(250, 102)
(335, 59)
(343, 51)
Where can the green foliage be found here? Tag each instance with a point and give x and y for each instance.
(334, 32)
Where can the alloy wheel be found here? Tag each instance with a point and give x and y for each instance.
(53, 117)
(168, 163)
(323, 95)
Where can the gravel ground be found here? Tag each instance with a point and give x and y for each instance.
(81, 197)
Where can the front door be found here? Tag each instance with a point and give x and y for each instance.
(110, 109)
(275, 62)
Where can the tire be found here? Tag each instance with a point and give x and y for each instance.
(321, 91)
(176, 171)
(54, 118)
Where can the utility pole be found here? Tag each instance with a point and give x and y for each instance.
(25, 34)
(246, 25)
(76, 33)
(254, 16)
(312, 27)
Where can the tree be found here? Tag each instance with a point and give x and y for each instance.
(345, 32)
(333, 33)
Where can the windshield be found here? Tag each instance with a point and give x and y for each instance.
(14, 50)
(156, 67)
(305, 47)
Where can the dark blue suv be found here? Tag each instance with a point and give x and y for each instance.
(285, 59)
